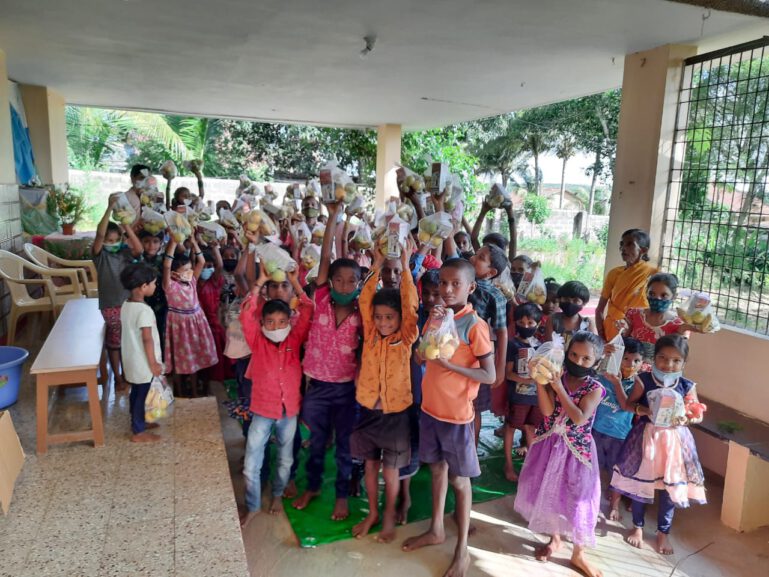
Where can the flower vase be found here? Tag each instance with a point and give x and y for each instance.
(68, 229)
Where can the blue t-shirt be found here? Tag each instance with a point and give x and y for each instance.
(519, 354)
(610, 419)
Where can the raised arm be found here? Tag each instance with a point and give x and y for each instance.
(199, 175)
(197, 254)
(133, 241)
(409, 298)
(513, 246)
(476, 232)
(168, 258)
(328, 241)
(101, 229)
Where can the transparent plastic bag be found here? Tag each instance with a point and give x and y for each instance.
(504, 283)
(122, 211)
(228, 220)
(406, 212)
(159, 397)
(362, 240)
(336, 185)
(310, 256)
(440, 339)
(318, 231)
(258, 221)
(245, 182)
(440, 179)
(455, 204)
(275, 260)
(152, 221)
(498, 196)
(434, 229)
(409, 181)
(168, 170)
(178, 225)
(395, 236)
(356, 207)
(546, 363)
(302, 232)
(611, 363)
(193, 165)
(313, 188)
(532, 287)
(697, 311)
(212, 232)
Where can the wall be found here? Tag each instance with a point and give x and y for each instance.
(560, 223)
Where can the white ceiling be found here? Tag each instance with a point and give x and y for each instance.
(435, 61)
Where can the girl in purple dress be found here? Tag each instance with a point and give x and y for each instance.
(559, 488)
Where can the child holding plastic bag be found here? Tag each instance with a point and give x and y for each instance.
(559, 488)
(698, 313)
(122, 211)
(659, 454)
(572, 297)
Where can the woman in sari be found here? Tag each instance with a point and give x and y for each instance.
(625, 286)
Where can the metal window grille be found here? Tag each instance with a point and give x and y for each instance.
(716, 225)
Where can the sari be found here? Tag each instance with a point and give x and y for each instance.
(624, 288)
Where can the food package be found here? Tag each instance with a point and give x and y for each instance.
(362, 239)
(301, 232)
(693, 408)
(212, 232)
(396, 234)
(434, 229)
(150, 194)
(240, 210)
(439, 178)
(268, 193)
(193, 217)
(294, 192)
(666, 405)
(243, 186)
(228, 220)
(698, 311)
(152, 221)
(546, 363)
(356, 207)
(455, 204)
(336, 185)
(312, 274)
(193, 165)
(178, 225)
(406, 211)
(498, 196)
(159, 397)
(318, 231)
(440, 339)
(504, 282)
(310, 256)
(275, 260)
(258, 221)
(313, 188)
(275, 212)
(122, 211)
(168, 170)
(532, 287)
(204, 213)
(409, 181)
(611, 362)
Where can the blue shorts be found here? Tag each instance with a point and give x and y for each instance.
(608, 449)
(455, 444)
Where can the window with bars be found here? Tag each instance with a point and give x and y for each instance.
(716, 226)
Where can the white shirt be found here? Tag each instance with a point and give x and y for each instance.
(134, 317)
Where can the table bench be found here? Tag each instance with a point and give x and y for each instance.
(72, 354)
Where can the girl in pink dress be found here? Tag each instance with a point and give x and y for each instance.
(189, 343)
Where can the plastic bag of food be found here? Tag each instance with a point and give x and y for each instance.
(356, 207)
(409, 181)
(406, 211)
(275, 260)
(313, 188)
(546, 363)
(243, 185)
(168, 170)
(697, 310)
(228, 220)
(268, 193)
(212, 232)
(434, 229)
(178, 225)
(455, 204)
(122, 211)
(440, 339)
(362, 239)
(611, 363)
(395, 235)
(440, 178)
(666, 405)
(504, 282)
(336, 185)
(498, 196)
(275, 212)
(204, 213)
(318, 231)
(532, 287)
(241, 209)
(310, 256)
(193, 165)
(150, 193)
(258, 221)
(301, 232)
(152, 221)
(158, 398)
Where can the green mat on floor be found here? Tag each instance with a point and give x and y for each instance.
(313, 526)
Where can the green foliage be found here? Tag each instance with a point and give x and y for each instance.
(536, 209)
(602, 234)
(567, 260)
(70, 204)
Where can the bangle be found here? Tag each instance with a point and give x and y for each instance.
(635, 409)
(198, 254)
(168, 256)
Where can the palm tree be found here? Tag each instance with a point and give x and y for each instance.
(564, 149)
(535, 142)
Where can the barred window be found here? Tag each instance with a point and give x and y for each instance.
(716, 225)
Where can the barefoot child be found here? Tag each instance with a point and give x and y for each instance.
(275, 370)
(523, 412)
(559, 490)
(139, 345)
(656, 458)
(382, 436)
(331, 364)
(446, 431)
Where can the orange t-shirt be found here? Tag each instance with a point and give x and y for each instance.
(446, 395)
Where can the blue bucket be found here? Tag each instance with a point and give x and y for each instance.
(11, 361)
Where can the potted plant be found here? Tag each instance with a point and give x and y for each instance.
(70, 207)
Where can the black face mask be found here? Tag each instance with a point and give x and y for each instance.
(570, 309)
(517, 278)
(525, 332)
(576, 370)
(230, 264)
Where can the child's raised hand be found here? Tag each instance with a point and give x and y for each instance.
(378, 260)
(253, 237)
(407, 251)
(438, 312)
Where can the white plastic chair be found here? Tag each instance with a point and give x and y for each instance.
(86, 268)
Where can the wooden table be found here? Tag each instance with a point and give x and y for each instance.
(72, 354)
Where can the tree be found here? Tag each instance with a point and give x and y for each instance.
(564, 149)
(536, 142)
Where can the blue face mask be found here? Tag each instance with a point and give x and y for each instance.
(667, 379)
(112, 248)
(206, 273)
(344, 299)
(659, 305)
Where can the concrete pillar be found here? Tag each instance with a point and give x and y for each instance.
(388, 155)
(7, 165)
(650, 87)
(44, 109)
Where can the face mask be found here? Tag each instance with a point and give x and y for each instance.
(139, 184)
(667, 379)
(627, 372)
(311, 212)
(185, 276)
(570, 309)
(112, 248)
(576, 370)
(659, 305)
(525, 332)
(517, 278)
(187, 201)
(230, 264)
(344, 299)
(206, 273)
(278, 335)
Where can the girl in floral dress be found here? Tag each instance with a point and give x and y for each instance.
(189, 343)
(559, 488)
(210, 286)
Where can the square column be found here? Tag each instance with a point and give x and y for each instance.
(44, 109)
(388, 156)
(7, 164)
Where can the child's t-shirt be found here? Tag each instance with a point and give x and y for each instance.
(134, 317)
(610, 419)
(446, 395)
(519, 354)
(647, 334)
(108, 268)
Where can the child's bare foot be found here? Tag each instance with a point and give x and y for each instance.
(387, 534)
(521, 451)
(247, 518)
(290, 491)
(341, 510)
(361, 529)
(152, 425)
(402, 513)
(459, 564)
(145, 437)
(580, 563)
(663, 544)
(121, 386)
(614, 514)
(510, 474)
(276, 507)
(304, 499)
(544, 552)
(424, 540)
(636, 537)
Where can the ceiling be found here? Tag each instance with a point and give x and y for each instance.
(434, 62)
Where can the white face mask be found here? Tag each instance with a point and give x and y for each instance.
(278, 335)
(186, 276)
(187, 201)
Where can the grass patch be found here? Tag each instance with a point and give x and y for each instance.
(567, 260)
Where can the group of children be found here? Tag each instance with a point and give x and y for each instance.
(339, 354)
